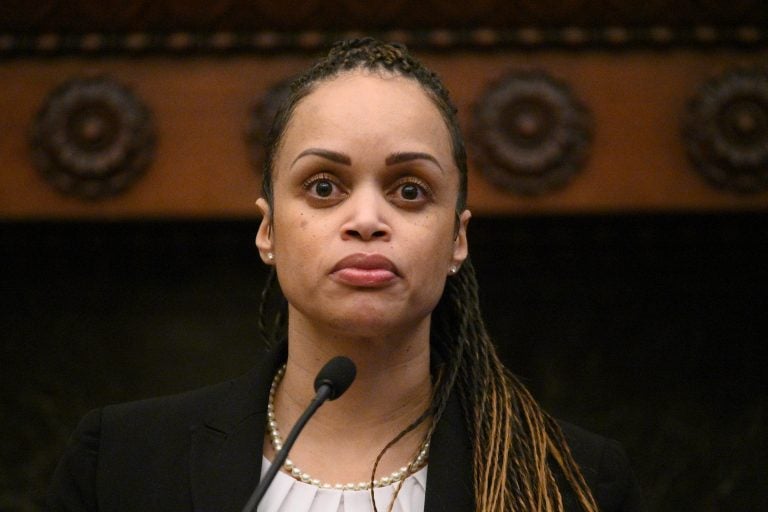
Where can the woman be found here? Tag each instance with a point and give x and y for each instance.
(365, 224)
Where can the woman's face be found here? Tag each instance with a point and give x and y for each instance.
(363, 231)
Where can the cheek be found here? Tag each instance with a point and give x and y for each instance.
(437, 237)
(434, 253)
(429, 282)
(296, 237)
(292, 230)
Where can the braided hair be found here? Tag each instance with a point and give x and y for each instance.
(517, 447)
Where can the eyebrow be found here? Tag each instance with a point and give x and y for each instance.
(398, 158)
(333, 156)
(393, 159)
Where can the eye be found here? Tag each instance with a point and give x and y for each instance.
(411, 191)
(322, 188)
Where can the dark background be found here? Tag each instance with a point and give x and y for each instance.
(646, 328)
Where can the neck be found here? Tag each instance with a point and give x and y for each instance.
(392, 389)
(392, 370)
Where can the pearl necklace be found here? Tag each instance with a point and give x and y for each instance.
(293, 470)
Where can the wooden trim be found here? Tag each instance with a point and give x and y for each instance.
(705, 37)
(202, 106)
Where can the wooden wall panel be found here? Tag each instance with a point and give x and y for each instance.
(201, 66)
(201, 108)
(202, 105)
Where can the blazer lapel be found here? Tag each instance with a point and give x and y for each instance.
(449, 474)
(226, 449)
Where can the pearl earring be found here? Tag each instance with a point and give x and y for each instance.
(270, 256)
(453, 269)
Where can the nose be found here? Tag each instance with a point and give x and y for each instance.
(365, 218)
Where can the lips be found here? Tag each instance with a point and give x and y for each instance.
(365, 270)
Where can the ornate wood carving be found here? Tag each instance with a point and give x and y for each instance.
(89, 27)
(82, 16)
(92, 138)
(726, 130)
(176, 41)
(261, 119)
(530, 134)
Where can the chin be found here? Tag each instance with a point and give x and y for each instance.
(366, 323)
(373, 320)
(366, 315)
(391, 321)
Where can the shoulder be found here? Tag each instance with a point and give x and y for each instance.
(606, 468)
(221, 404)
(131, 454)
(166, 411)
(134, 452)
(150, 428)
(109, 438)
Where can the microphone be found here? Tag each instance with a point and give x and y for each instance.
(331, 382)
(337, 375)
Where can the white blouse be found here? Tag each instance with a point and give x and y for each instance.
(286, 494)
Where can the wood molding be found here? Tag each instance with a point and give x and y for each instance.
(163, 16)
(203, 165)
(746, 37)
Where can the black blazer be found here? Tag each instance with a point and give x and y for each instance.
(201, 451)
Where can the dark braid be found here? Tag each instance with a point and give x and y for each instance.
(513, 439)
(277, 330)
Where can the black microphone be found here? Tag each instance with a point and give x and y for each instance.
(331, 382)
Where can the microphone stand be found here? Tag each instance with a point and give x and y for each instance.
(324, 392)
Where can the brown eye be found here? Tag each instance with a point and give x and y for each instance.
(323, 188)
(409, 191)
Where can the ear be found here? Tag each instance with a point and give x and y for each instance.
(460, 245)
(264, 234)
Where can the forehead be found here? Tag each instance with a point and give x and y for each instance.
(366, 110)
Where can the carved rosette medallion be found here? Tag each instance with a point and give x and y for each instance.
(92, 138)
(530, 134)
(262, 115)
(726, 131)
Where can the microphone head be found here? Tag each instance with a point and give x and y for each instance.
(338, 374)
